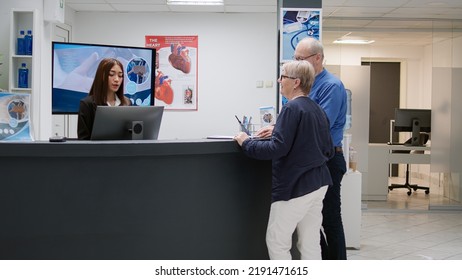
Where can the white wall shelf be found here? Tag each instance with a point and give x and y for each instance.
(26, 19)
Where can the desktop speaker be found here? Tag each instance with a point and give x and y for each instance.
(137, 130)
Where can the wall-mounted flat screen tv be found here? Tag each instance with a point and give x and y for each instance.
(74, 66)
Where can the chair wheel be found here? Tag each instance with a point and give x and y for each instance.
(427, 191)
(409, 193)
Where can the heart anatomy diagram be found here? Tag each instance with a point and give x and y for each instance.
(176, 70)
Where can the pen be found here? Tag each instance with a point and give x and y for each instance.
(242, 126)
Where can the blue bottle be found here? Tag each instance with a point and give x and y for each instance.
(28, 43)
(21, 45)
(348, 113)
(23, 76)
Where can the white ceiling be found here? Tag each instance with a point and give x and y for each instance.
(388, 22)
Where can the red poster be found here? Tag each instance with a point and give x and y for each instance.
(176, 71)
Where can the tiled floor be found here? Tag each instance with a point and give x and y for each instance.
(406, 228)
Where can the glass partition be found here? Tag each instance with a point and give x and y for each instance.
(431, 78)
(446, 161)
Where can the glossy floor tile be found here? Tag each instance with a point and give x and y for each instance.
(407, 228)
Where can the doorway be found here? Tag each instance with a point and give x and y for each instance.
(63, 125)
(384, 98)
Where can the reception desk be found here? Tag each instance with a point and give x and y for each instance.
(200, 199)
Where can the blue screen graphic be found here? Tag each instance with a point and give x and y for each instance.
(74, 68)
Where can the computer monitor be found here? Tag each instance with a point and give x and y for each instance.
(127, 122)
(74, 66)
(413, 120)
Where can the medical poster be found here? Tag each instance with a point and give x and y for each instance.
(176, 71)
(296, 24)
(15, 117)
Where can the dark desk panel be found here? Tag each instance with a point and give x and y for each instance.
(200, 199)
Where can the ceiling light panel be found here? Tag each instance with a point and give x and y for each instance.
(195, 2)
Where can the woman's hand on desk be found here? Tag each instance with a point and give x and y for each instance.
(265, 132)
(241, 137)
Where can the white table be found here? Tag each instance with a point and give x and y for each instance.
(380, 157)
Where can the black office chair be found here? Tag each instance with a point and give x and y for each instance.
(407, 185)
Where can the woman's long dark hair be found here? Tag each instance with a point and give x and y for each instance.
(99, 87)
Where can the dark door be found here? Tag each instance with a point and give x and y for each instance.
(384, 98)
(385, 84)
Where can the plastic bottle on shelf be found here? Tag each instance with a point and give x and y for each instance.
(353, 160)
(348, 113)
(21, 44)
(28, 43)
(23, 76)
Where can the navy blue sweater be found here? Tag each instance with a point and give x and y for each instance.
(299, 148)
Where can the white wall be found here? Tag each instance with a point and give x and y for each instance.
(235, 50)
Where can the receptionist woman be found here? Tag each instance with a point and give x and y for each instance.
(107, 90)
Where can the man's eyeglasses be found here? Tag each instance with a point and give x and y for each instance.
(298, 58)
(287, 77)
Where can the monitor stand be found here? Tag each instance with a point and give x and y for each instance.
(415, 140)
(136, 130)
